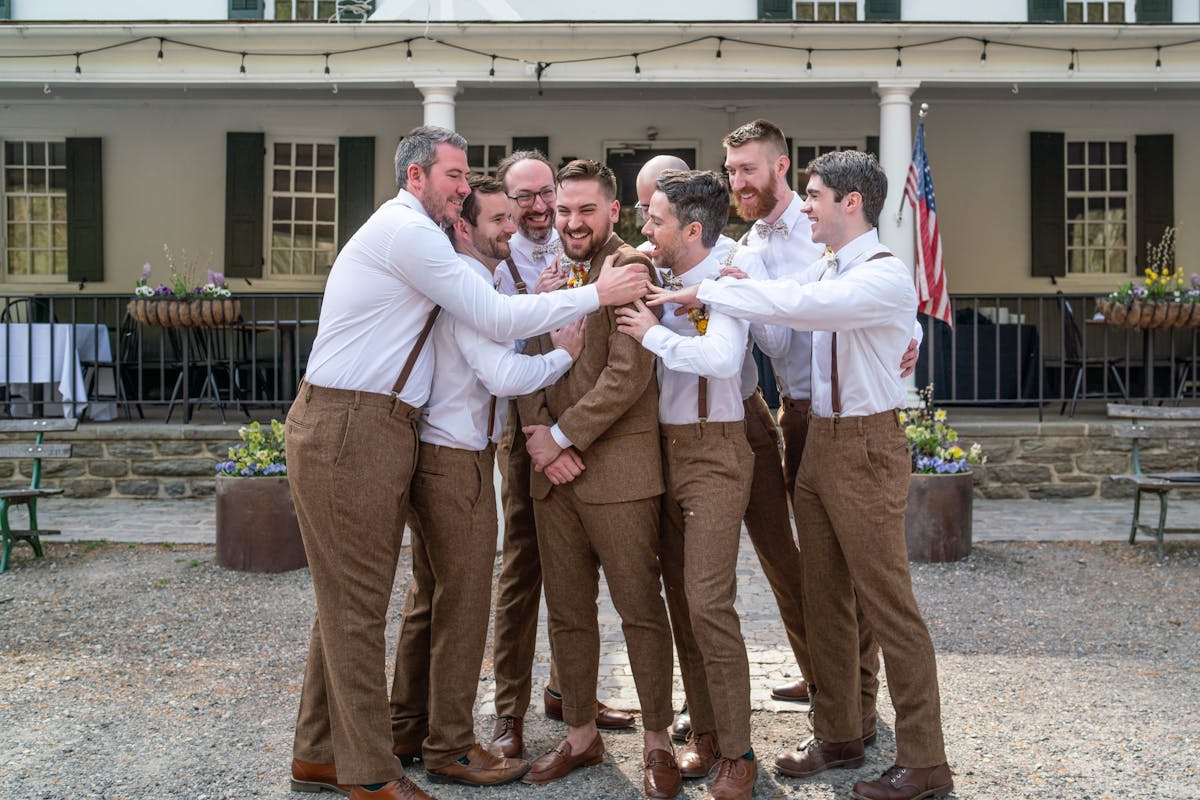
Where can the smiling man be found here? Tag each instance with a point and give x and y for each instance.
(352, 444)
(593, 439)
(852, 485)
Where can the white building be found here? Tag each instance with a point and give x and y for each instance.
(263, 135)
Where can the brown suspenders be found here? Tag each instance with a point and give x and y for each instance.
(836, 394)
(416, 351)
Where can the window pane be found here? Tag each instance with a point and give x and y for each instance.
(281, 208)
(283, 154)
(1116, 152)
(14, 153)
(304, 209)
(1096, 152)
(35, 153)
(323, 261)
(1075, 233)
(281, 236)
(1114, 235)
(1116, 208)
(826, 12)
(18, 209)
(60, 235)
(14, 180)
(283, 181)
(475, 156)
(804, 12)
(1075, 260)
(847, 12)
(60, 262)
(325, 209)
(1075, 180)
(1095, 261)
(1116, 261)
(304, 180)
(18, 262)
(324, 155)
(39, 208)
(303, 237)
(58, 180)
(1095, 207)
(325, 237)
(496, 154)
(58, 209)
(37, 180)
(326, 9)
(1118, 180)
(1095, 235)
(1116, 12)
(18, 234)
(304, 10)
(39, 262)
(304, 155)
(1074, 152)
(1097, 180)
(325, 181)
(281, 262)
(1095, 12)
(58, 154)
(283, 9)
(1075, 208)
(302, 262)
(41, 236)
(1074, 12)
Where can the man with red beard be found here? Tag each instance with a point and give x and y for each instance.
(528, 182)
(593, 439)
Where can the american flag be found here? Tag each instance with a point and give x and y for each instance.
(931, 275)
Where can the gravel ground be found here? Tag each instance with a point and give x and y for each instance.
(146, 671)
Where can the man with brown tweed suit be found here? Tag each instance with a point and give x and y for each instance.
(593, 440)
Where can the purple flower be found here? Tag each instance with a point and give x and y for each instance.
(216, 278)
(146, 272)
(1195, 281)
(162, 291)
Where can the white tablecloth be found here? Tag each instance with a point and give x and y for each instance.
(51, 353)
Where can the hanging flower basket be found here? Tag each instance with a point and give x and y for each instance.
(197, 313)
(1148, 315)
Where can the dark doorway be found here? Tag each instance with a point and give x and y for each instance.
(627, 163)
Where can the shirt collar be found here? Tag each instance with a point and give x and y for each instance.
(791, 214)
(857, 248)
(476, 265)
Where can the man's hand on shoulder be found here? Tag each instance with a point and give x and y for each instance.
(618, 286)
(635, 320)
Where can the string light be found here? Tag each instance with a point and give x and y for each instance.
(159, 57)
(808, 64)
(983, 54)
(899, 62)
(408, 50)
(720, 41)
(1158, 59)
(492, 71)
(78, 70)
(327, 67)
(637, 68)
(242, 68)
(1071, 65)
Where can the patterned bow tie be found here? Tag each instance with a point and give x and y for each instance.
(551, 249)
(671, 280)
(765, 229)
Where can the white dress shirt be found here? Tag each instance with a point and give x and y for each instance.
(870, 304)
(528, 265)
(684, 355)
(382, 287)
(786, 256)
(471, 369)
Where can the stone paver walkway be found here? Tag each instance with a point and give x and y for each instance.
(191, 522)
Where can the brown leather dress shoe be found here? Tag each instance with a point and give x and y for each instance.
(698, 756)
(560, 762)
(482, 769)
(308, 776)
(869, 724)
(735, 780)
(906, 783)
(399, 789)
(508, 737)
(796, 691)
(609, 719)
(681, 729)
(818, 756)
(661, 776)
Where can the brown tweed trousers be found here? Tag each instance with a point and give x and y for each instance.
(794, 422)
(607, 405)
(444, 631)
(708, 468)
(851, 492)
(350, 458)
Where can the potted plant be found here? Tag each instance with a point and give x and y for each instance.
(1165, 300)
(256, 520)
(937, 521)
(183, 304)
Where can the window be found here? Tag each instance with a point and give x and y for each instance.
(323, 10)
(826, 12)
(482, 159)
(303, 202)
(804, 153)
(1106, 11)
(1098, 206)
(35, 209)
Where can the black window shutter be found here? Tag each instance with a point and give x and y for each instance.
(356, 184)
(774, 9)
(1048, 204)
(873, 146)
(5, 9)
(1155, 164)
(539, 143)
(246, 9)
(1046, 11)
(85, 211)
(1154, 11)
(244, 165)
(881, 10)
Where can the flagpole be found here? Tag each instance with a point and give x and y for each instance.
(921, 114)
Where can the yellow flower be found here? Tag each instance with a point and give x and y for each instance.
(702, 326)
(901, 417)
(940, 415)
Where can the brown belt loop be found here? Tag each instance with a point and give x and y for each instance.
(702, 400)
(516, 276)
(416, 351)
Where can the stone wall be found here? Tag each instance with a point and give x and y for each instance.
(1025, 459)
(128, 460)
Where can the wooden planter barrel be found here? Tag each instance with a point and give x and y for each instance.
(937, 522)
(191, 313)
(256, 525)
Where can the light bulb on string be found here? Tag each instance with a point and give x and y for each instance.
(159, 57)
(78, 69)
(899, 61)
(492, 70)
(637, 68)
(242, 68)
(720, 41)
(408, 51)
(983, 54)
(327, 66)
(1071, 65)
(1158, 59)
(808, 64)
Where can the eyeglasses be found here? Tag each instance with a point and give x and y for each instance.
(525, 199)
(640, 210)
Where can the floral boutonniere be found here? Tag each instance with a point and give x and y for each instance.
(699, 318)
(671, 280)
(579, 273)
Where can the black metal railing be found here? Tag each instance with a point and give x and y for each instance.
(60, 352)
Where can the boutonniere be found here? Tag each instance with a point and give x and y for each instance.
(699, 318)
(579, 273)
(828, 258)
(671, 280)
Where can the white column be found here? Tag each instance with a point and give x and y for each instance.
(439, 102)
(895, 156)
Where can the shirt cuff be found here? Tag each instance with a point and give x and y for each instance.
(655, 339)
(559, 359)
(559, 437)
(593, 294)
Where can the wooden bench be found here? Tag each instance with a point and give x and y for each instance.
(29, 496)
(1156, 423)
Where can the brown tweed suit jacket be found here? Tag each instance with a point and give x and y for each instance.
(607, 404)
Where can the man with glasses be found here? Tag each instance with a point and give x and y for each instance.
(528, 181)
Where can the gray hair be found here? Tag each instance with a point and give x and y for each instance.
(420, 147)
(848, 171)
(697, 196)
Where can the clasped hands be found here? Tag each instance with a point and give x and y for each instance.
(559, 465)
